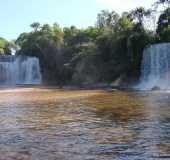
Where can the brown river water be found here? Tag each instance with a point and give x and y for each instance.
(52, 124)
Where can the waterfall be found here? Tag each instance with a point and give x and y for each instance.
(19, 70)
(155, 72)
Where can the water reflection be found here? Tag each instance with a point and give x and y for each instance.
(42, 123)
(142, 120)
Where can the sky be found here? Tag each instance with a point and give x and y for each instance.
(17, 15)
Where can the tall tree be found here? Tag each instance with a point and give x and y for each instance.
(163, 28)
(139, 14)
(107, 19)
(35, 26)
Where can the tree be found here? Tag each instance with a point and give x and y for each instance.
(2, 45)
(163, 2)
(21, 39)
(46, 43)
(124, 24)
(45, 28)
(92, 33)
(100, 53)
(139, 14)
(107, 19)
(5, 46)
(35, 26)
(163, 28)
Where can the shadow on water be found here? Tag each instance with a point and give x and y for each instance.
(42, 123)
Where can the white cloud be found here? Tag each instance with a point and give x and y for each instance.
(124, 5)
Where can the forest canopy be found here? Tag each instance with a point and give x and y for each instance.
(105, 52)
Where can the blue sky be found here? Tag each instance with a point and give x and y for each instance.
(17, 15)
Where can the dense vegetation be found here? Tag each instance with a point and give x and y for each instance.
(5, 46)
(110, 50)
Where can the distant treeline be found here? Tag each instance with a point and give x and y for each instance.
(102, 53)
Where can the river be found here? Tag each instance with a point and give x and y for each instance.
(41, 123)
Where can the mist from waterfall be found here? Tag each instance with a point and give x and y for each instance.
(19, 70)
(155, 71)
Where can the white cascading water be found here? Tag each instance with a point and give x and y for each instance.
(19, 70)
(156, 67)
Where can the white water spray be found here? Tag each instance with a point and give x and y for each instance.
(19, 70)
(156, 67)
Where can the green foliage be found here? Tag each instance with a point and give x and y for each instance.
(137, 41)
(100, 53)
(139, 14)
(163, 28)
(35, 26)
(107, 19)
(45, 43)
(5, 46)
(165, 36)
